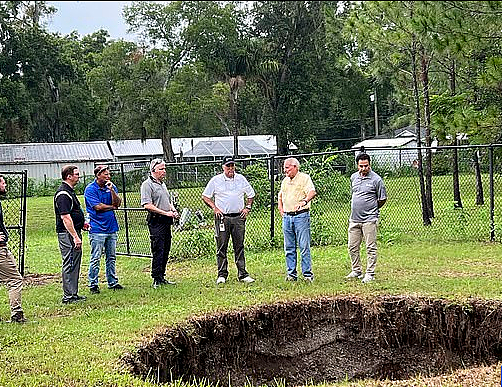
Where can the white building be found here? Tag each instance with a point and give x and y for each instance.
(45, 160)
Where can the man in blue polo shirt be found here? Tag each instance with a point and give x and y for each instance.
(101, 199)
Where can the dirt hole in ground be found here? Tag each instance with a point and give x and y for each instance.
(326, 339)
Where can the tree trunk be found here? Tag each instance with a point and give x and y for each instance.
(235, 84)
(457, 201)
(479, 183)
(425, 212)
(424, 61)
(167, 147)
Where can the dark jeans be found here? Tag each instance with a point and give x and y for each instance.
(160, 242)
(235, 227)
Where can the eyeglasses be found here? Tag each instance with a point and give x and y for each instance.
(76, 174)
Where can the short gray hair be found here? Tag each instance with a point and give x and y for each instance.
(293, 161)
(154, 163)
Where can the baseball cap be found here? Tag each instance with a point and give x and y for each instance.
(228, 160)
(99, 169)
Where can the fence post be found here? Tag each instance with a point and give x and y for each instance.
(126, 220)
(271, 168)
(23, 230)
(492, 196)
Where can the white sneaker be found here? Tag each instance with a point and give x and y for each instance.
(221, 280)
(247, 280)
(367, 278)
(354, 274)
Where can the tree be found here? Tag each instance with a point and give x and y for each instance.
(293, 35)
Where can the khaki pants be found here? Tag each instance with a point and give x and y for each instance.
(10, 276)
(358, 231)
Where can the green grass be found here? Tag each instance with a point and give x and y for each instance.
(81, 344)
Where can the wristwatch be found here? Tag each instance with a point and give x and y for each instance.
(248, 207)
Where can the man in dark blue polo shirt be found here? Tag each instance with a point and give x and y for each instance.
(101, 199)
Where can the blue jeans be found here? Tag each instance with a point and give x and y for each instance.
(98, 242)
(296, 231)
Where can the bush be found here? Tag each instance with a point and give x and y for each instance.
(194, 244)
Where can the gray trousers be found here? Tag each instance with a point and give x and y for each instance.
(234, 227)
(358, 231)
(10, 276)
(71, 264)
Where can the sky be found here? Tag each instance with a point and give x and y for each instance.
(87, 17)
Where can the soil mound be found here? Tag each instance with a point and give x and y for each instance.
(326, 339)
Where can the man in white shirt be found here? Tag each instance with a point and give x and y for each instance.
(225, 195)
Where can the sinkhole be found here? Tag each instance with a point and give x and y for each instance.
(327, 339)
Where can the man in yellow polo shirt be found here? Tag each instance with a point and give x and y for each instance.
(297, 190)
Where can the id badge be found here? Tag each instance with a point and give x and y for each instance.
(222, 226)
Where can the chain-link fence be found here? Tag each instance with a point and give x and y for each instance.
(14, 213)
(465, 208)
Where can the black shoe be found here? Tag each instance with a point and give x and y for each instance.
(18, 317)
(73, 299)
(94, 289)
(163, 281)
(117, 286)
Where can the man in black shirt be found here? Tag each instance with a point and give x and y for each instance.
(69, 225)
(9, 274)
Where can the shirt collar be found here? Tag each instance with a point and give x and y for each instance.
(73, 189)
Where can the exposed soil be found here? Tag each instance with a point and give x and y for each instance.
(327, 339)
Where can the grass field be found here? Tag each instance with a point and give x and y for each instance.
(81, 344)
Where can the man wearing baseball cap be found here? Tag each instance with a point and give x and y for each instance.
(101, 199)
(225, 195)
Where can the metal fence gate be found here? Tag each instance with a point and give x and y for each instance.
(14, 209)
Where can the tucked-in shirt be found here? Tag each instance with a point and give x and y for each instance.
(295, 190)
(229, 193)
(66, 202)
(155, 192)
(102, 222)
(3, 229)
(366, 192)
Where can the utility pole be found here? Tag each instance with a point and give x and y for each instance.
(373, 98)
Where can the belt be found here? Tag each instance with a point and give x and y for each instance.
(294, 213)
(233, 214)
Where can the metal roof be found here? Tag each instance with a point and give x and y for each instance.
(149, 147)
(384, 142)
(153, 146)
(55, 152)
(247, 147)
